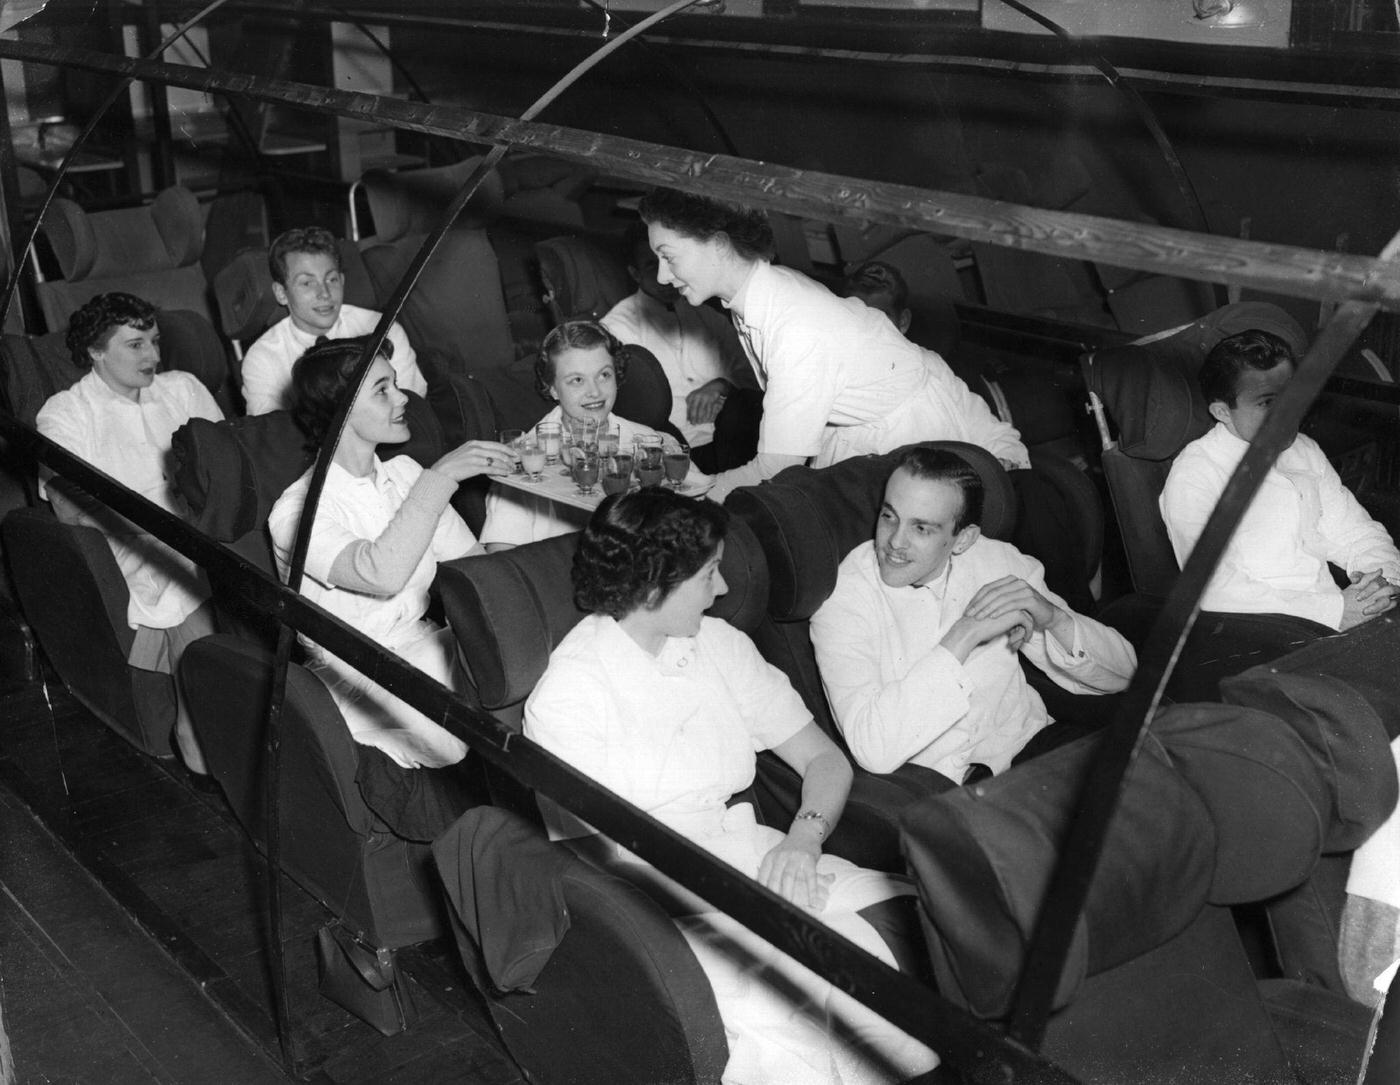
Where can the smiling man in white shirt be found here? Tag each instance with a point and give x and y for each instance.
(918, 644)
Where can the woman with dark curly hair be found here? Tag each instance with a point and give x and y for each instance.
(839, 379)
(667, 707)
(381, 529)
(581, 366)
(120, 417)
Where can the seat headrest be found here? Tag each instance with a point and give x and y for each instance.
(1150, 389)
(982, 857)
(582, 279)
(167, 234)
(35, 367)
(644, 395)
(243, 292)
(413, 201)
(807, 520)
(508, 610)
(745, 571)
(1244, 316)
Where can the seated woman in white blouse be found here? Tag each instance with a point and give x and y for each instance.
(581, 365)
(667, 708)
(381, 528)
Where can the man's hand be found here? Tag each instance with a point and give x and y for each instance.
(1012, 593)
(969, 631)
(1368, 594)
(704, 404)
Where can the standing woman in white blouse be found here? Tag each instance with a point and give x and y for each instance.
(381, 528)
(839, 379)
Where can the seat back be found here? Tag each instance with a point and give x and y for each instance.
(404, 202)
(332, 843)
(807, 520)
(1149, 391)
(75, 599)
(152, 251)
(509, 610)
(35, 367)
(618, 969)
(243, 295)
(645, 395)
(458, 309)
(1222, 805)
(583, 278)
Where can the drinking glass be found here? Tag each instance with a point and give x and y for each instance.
(650, 468)
(608, 439)
(511, 438)
(551, 437)
(677, 464)
(533, 457)
(585, 468)
(617, 473)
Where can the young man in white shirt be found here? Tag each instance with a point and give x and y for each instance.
(307, 279)
(1301, 518)
(918, 644)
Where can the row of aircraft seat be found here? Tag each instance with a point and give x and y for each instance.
(1158, 978)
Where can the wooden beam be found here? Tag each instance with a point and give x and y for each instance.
(1277, 269)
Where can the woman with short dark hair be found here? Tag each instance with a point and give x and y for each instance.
(381, 528)
(839, 379)
(667, 707)
(120, 417)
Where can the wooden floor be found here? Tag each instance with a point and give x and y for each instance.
(134, 936)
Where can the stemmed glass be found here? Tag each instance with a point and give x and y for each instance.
(677, 464)
(533, 457)
(585, 470)
(650, 467)
(617, 473)
(551, 440)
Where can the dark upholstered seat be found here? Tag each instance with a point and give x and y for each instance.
(583, 278)
(152, 251)
(75, 599)
(1224, 805)
(616, 997)
(457, 310)
(806, 522)
(69, 586)
(332, 843)
(1150, 392)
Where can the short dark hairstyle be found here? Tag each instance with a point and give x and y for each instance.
(92, 325)
(704, 218)
(940, 465)
(319, 379)
(877, 279)
(309, 239)
(1228, 359)
(639, 546)
(576, 335)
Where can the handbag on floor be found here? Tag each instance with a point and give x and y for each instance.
(363, 980)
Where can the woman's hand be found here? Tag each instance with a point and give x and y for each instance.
(477, 458)
(790, 868)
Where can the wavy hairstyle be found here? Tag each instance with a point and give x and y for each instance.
(704, 218)
(93, 324)
(940, 465)
(319, 379)
(1231, 357)
(639, 546)
(577, 335)
(315, 240)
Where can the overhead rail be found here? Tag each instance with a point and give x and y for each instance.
(1297, 75)
(1257, 265)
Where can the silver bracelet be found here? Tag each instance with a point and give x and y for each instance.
(814, 815)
